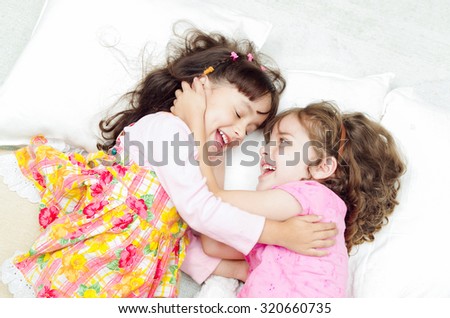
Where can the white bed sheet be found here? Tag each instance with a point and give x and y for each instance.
(355, 39)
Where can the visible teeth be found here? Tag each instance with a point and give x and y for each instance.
(269, 167)
(224, 137)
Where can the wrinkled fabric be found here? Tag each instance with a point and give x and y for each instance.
(278, 272)
(108, 230)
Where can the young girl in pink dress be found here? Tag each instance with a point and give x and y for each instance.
(115, 223)
(344, 167)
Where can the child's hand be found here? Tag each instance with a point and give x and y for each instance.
(190, 104)
(308, 236)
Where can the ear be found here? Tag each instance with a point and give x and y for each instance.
(325, 169)
(204, 80)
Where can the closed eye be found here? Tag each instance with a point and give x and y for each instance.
(237, 114)
(284, 142)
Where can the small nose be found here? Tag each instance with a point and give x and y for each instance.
(266, 153)
(263, 151)
(240, 132)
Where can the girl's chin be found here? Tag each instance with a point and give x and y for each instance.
(261, 186)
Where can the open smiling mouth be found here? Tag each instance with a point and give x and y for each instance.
(267, 169)
(222, 140)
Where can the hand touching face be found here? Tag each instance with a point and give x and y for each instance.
(229, 115)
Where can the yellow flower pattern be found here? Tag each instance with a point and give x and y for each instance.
(102, 235)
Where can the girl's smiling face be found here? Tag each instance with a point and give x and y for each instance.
(285, 158)
(230, 115)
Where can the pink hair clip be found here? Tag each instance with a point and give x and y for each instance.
(234, 56)
(250, 57)
(263, 68)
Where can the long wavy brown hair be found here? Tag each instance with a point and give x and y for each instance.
(369, 165)
(188, 55)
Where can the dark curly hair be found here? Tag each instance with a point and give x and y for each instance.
(369, 165)
(188, 55)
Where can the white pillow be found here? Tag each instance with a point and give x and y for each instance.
(85, 54)
(409, 257)
(365, 94)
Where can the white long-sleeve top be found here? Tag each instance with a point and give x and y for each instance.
(151, 141)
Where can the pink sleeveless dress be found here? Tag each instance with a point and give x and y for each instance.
(278, 272)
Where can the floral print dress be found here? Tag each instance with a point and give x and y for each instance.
(108, 230)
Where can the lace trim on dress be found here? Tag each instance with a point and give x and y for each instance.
(16, 282)
(15, 180)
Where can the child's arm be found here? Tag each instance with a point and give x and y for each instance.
(192, 112)
(233, 269)
(215, 248)
(233, 263)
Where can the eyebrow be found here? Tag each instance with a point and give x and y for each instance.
(280, 132)
(284, 133)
